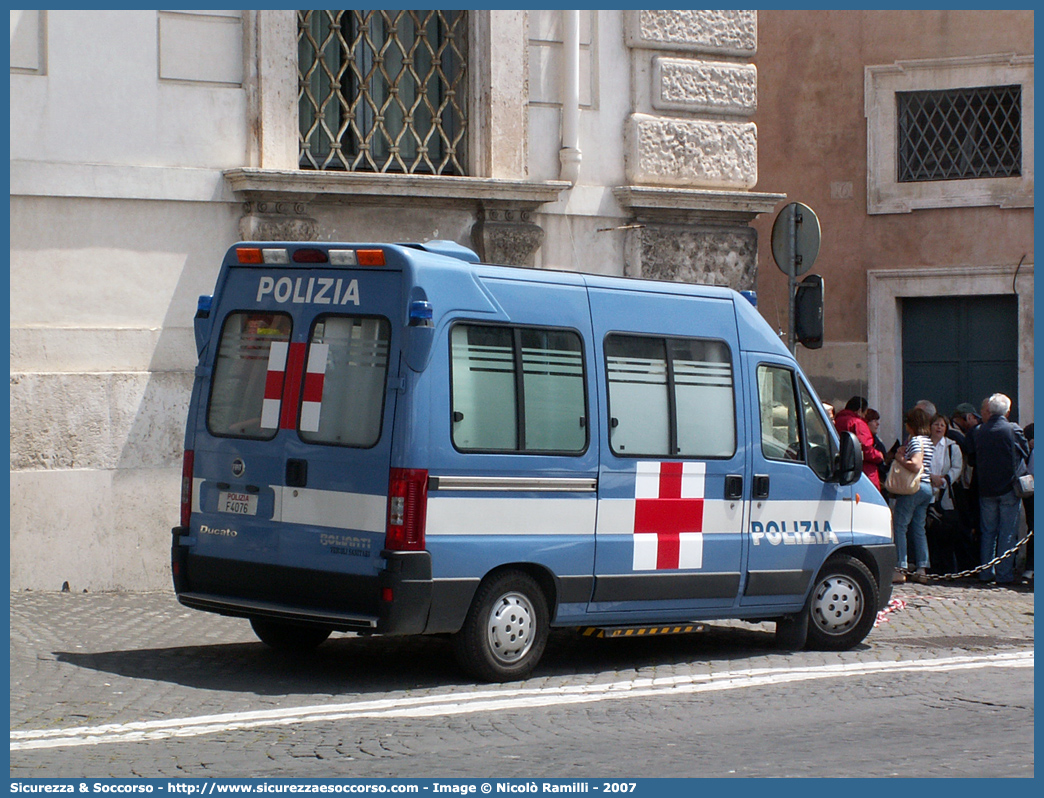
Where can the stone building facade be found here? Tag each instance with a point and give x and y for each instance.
(929, 278)
(144, 143)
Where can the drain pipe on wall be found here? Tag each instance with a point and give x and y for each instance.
(569, 155)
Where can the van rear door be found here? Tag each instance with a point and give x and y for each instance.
(292, 446)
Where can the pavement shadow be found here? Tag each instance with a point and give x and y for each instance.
(359, 665)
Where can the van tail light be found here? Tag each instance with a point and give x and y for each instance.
(186, 487)
(407, 508)
(370, 257)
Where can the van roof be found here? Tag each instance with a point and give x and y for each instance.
(450, 257)
(446, 269)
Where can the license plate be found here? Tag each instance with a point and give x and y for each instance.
(238, 503)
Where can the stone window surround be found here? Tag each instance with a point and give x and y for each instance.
(883, 193)
(497, 111)
(277, 193)
(885, 290)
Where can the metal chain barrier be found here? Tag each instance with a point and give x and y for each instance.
(984, 566)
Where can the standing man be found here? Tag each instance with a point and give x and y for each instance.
(853, 419)
(997, 449)
(965, 418)
(966, 489)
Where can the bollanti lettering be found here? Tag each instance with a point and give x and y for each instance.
(345, 541)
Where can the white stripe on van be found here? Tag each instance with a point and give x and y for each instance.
(271, 403)
(311, 401)
(872, 519)
(328, 508)
(511, 516)
(331, 508)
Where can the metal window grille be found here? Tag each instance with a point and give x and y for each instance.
(383, 91)
(959, 134)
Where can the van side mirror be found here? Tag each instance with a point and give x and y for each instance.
(849, 460)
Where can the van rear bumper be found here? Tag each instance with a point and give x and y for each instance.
(245, 608)
(394, 601)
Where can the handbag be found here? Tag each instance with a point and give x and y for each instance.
(901, 481)
(1024, 486)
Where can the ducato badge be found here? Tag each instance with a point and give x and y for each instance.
(238, 467)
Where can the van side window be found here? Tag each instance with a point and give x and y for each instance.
(343, 392)
(821, 447)
(670, 397)
(703, 387)
(517, 390)
(780, 429)
(241, 372)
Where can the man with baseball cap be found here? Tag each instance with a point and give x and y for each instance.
(965, 417)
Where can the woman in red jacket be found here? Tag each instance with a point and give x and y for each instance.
(853, 419)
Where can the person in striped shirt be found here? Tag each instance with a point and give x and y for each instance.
(909, 513)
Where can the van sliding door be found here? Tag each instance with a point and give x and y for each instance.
(671, 481)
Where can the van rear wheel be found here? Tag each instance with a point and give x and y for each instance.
(506, 629)
(288, 637)
(843, 605)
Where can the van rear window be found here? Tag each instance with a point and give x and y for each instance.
(241, 374)
(347, 366)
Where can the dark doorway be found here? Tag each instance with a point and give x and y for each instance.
(960, 349)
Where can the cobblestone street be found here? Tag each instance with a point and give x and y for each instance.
(81, 661)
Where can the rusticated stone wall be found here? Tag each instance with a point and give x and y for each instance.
(700, 254)
(689, 135)
(690, 127)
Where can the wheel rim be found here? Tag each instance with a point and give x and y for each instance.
(837, 604)
(510, 628)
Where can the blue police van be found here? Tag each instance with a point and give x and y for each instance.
(400, 440)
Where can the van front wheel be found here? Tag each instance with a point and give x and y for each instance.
(287, 636)
(506, 629)
(843, 605)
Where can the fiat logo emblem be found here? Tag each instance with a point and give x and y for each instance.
(238, 467)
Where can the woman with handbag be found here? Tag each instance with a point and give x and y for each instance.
(941, 525)
(909, 480)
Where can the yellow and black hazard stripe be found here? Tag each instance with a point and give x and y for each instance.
(641, 631)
